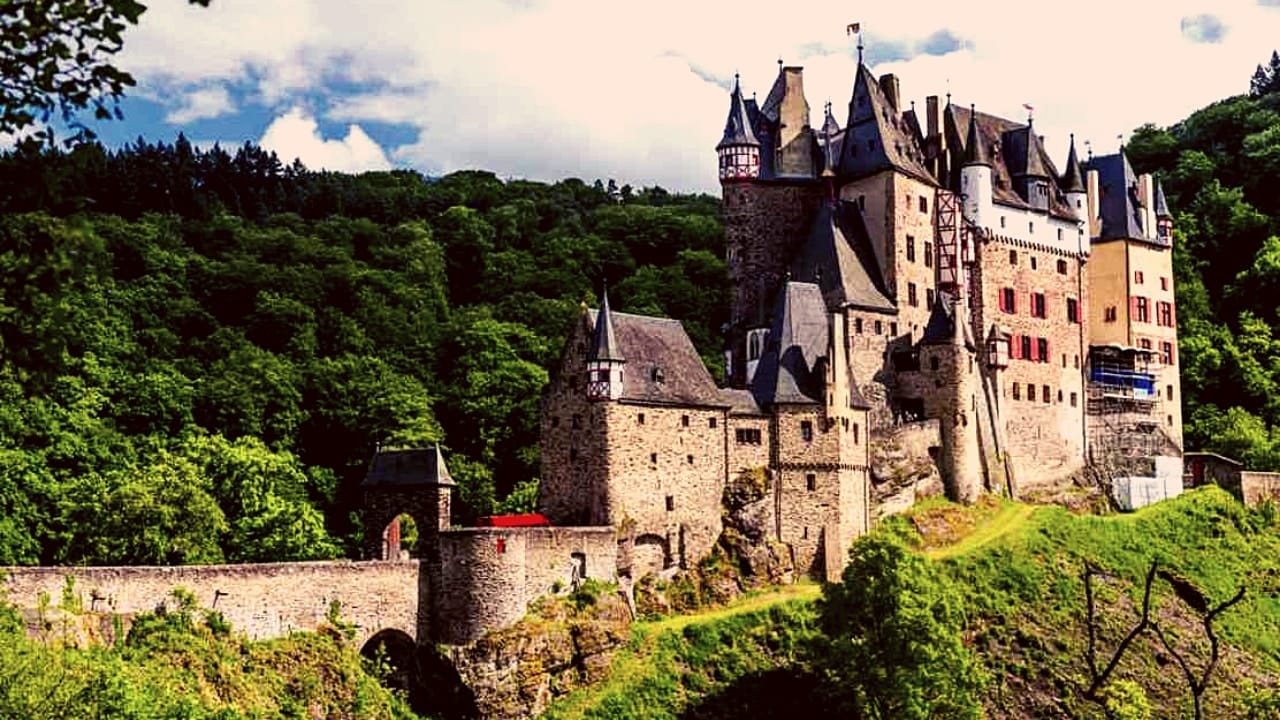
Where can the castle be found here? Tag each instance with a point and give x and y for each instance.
(891, 271)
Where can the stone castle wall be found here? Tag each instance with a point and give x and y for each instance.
(260, 600)
(667, 469)
(1044, 436)
(1259, 487)
(488, 576)
(764, 222)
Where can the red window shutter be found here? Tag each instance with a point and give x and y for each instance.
(1173, 315)
(1048, 349)
(1133, 308)
(1015, 348)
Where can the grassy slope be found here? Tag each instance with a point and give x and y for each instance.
(1020, 568)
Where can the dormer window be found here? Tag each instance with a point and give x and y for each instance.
(658, 376)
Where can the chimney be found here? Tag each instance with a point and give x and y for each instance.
(889, 84)
(1091, 185)
(931, 114)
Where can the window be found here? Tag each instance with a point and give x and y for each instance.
(1166, 353)
(912, 299)
(684, 421)
(1047, 397)
(1168, 392)
(1141, 310)
(653, 458)
(1042, 349)
(1033, 262)
(689, 459)
(1137, 277)
(711, 422)
(1031, 391)
(879, 328)
(1013, 254)
(1059, 234)
(640, 419)
(933, 363)
(1031, 228)
(501, 545)
(928, 254)
(1062, 265)
(1109, 315)
(1075, 400)
(806, 430)
(1026, 348)
(1075, 361)
(1164, 314)
(810, 482)
(1164, 283)
(893, 329)
(1064, 359)
(1038, 304)
(855, 425)
(1073, 310)
(862, 202)
(671, 503)
(1008, 300)
(911, 249)
(857, 325)
(928, 298)
(924, 204)
(747, 436)
(1002, 225)
(1017, 391)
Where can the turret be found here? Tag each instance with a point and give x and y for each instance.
(1164, 220)
(975, 174)
(604, 359)
(948, 353)
(1072, 183)
(739, 150)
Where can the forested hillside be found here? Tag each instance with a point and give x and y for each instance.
(1221, 170)
(200, 351)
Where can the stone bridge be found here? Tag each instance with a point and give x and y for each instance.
(263, 600)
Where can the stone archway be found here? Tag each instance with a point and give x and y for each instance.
(432, 683)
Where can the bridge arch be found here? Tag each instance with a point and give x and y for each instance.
(429, 679)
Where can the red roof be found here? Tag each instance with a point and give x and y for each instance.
(525, 520)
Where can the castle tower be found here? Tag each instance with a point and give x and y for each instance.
(947, 353)
(1030, 176)
(975, 175)
(768, 166)
(604, 359)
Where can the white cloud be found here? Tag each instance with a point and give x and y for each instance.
(560, 87)
(210, 102)
(296, 135)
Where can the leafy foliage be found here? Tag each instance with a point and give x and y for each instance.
(219, 347)
(56, 60)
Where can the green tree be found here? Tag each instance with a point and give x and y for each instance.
(56, 60)
(894, 624)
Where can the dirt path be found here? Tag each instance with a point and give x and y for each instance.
(1010, 518)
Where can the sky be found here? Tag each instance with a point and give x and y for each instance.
(638, 91)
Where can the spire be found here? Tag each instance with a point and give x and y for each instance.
(604, 341)
(1162, 205)
(737, 127)
(830, 125)
(975, 149)
(1072, 179)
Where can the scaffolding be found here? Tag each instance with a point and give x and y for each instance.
(1123, 410)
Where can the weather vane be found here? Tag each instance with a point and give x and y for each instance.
(855, 29)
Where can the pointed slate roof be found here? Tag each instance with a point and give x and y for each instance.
(975, 148)
(407, 467)
(737, 127)
(604, 339)
(788, 371)
(1162, 205)
(1118, 203)
(663, 367)
(1024, 153)
(875, 137)
(830, 125)
(1072, 179)
(837, 257)
(941, 328)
